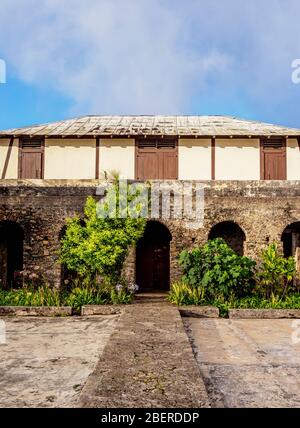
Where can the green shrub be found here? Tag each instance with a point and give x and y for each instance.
(257, 302)
(182, 294)
(218, 270)
(42, 296)
(276, 273)
(75, 297)
(84, 296)
(98, 245)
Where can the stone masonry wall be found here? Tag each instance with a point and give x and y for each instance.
(261, 209)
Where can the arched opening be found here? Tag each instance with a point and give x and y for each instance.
(291, 240)
(153, 258)
(232, 234)
(11, 254)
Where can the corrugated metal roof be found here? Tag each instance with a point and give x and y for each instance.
(153, 125)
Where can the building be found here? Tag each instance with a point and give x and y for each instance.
(250, 170)
(152, 147)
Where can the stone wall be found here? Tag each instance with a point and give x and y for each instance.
(261, 209)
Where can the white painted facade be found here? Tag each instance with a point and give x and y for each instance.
(75, 158)
(117, 155)
(293, 159)
(237, 159)
(11, 161)
(69, 158)
(194, 159)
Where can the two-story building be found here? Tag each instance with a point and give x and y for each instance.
(250, 170)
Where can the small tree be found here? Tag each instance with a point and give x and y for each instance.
(276, 273)
(98, 245)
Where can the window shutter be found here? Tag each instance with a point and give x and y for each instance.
(32, 143)
(273, 143)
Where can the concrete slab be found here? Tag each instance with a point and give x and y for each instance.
(46, 361)
(247, 363)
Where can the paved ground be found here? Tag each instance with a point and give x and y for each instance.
(247, 363)
(148, 362)
(46, 361)
(144, 358)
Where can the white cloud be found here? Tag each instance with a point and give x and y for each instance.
(108, 55)
(152, 56)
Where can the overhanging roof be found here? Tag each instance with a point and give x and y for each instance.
(201, 126)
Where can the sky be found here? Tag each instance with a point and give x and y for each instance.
(69, 58)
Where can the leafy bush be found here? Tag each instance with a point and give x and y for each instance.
(98, 246)
(276, 274)
(218, 270)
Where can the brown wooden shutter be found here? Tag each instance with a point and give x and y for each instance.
(157, 159)
(31, 158)
(273, 159)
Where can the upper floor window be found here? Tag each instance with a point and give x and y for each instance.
(157, 159)
(31, 158)
(273, 159)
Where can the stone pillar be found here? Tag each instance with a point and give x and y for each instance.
(128, 271)
(297, 257)
(3, 264)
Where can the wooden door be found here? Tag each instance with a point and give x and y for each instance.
(156, 159)
(153, 259)
(31, 159)
(273, 159)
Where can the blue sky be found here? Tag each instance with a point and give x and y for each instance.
(67, 58)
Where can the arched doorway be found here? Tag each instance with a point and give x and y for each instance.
(232, 234)
(11, 253)
(153, 258)
(291, 239)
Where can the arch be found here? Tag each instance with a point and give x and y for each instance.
(153, 258)
(232, 234)
(291, 239)
(11, 253)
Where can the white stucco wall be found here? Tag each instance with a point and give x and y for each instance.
(117, 155)
(194, 159)
(293, 159)
(70, 158)
(12, 168)
(237, 159)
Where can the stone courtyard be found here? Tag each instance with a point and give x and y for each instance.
(46, 361)
(247, 363)
(148, 356)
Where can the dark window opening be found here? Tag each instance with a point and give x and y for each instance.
(232, 234)
(11, 254)
(291, 239)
